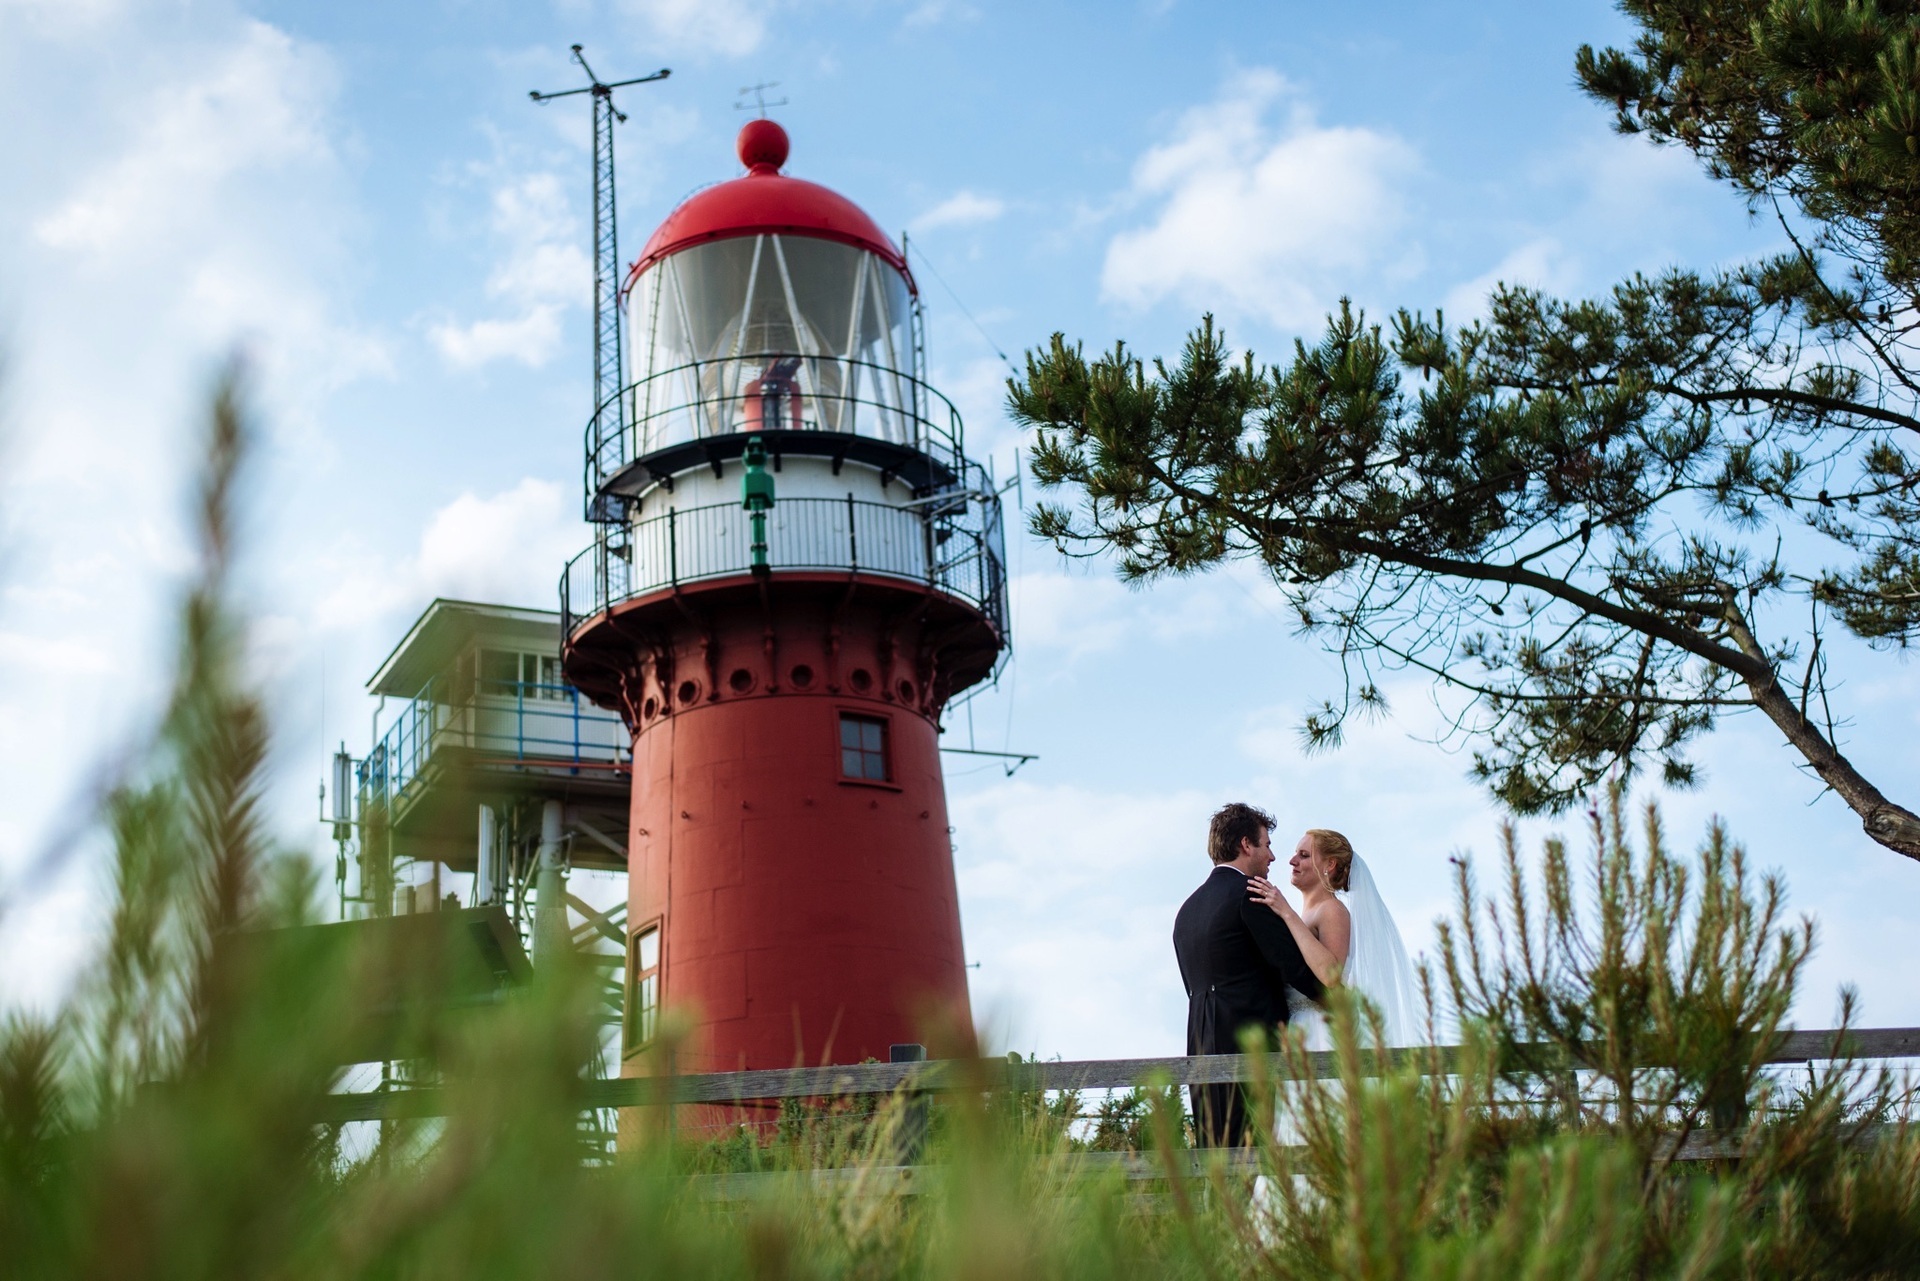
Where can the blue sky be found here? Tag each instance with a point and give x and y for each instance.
(363, 198)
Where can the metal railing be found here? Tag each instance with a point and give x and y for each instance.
(953, 543)
(517, 721)
(822, 393)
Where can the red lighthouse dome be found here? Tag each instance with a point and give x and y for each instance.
(766, 201)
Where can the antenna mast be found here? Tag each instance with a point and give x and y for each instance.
(608, 357)
(759, 94)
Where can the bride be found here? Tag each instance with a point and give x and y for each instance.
(1347, 936)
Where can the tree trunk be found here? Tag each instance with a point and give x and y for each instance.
(1893, 826)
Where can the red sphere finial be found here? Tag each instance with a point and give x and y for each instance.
(762, 146)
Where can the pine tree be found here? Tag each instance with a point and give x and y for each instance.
(1604, 523)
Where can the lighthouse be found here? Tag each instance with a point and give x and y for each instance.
(795, 570)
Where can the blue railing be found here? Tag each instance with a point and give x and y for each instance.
(520, 722)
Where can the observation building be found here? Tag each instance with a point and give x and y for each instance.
(795, 568)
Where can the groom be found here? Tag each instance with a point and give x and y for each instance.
(1237, 959)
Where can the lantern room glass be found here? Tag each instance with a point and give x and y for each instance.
(772, 332)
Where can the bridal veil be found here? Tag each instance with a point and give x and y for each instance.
(1377, 965)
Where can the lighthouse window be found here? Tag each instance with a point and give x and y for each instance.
(863, 748)
(643, 988)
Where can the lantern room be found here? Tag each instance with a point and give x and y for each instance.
(770, 304)
(768, 332)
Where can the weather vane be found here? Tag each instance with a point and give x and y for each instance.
(759, 93)
(596, 88)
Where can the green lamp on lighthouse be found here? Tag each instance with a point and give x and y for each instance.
(756, 495)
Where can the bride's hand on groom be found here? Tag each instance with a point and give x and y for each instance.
(1266, 892)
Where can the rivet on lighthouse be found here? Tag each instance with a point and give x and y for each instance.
(795, 570)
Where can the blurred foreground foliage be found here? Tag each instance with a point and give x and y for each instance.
(161, 1124)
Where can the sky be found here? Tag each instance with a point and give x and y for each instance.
(361, 200)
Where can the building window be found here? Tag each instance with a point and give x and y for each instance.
(506, 673)
(552, 684)
(863, 748)
(499, 673)
(643, 988)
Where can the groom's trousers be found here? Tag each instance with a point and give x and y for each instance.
(1219, 1115)
(1219, 1111)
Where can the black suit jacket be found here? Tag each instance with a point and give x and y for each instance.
(1237, 959)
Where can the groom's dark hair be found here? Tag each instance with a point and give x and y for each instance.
(1232, 824)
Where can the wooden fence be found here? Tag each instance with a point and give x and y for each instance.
(1086, 1074)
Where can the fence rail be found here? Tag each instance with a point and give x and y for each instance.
(1087, 1074)
(1136, 1167)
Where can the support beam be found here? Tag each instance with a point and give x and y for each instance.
(601, 838)
(550, 934)
(605, 923)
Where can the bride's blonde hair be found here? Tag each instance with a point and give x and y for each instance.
(1337, 850)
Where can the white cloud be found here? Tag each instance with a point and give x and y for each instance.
(1602, 205)
(505, 547)
(978, 389)
(532, 212)
(64, 17)
(1067, 898)
(257, 109)
(732, 28)
(216, 217)
(1628, 187)
(1269, 218)
(542, 272)
(530, 338)
(545, 271)
(931, 13)
(1541, 263)
(1091, 612)
(49, 935)
(961, 209)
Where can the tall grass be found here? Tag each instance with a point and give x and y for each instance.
(163, 1122)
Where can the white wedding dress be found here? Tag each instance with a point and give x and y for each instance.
(1377, 968)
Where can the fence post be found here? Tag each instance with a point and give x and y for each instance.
(673, 547)
(910, 1139)
(853, 537)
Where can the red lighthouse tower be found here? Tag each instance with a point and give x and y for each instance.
(796, 568)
